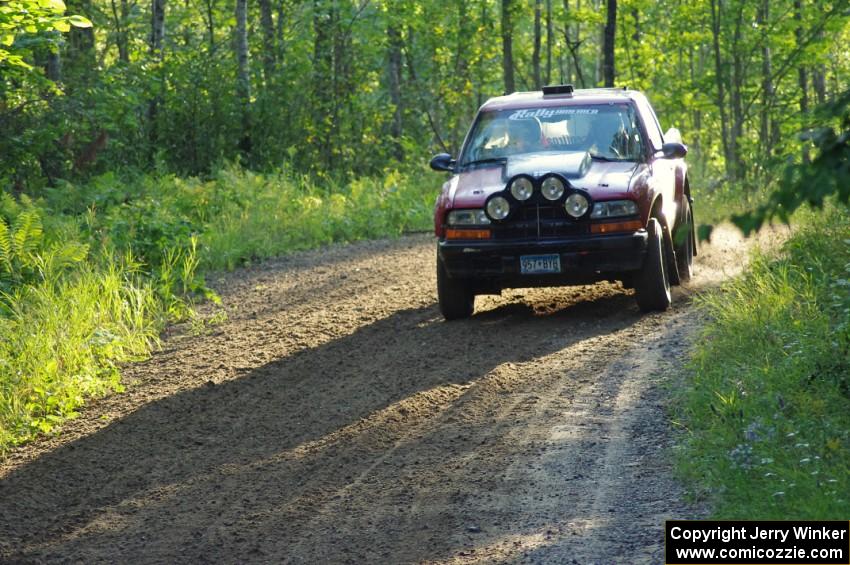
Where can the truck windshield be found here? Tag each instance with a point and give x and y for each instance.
(608, 131)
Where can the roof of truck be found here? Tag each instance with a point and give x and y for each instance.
(537, 99)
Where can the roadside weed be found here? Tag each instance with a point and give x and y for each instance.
(767, 408)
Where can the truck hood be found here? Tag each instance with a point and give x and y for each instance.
(604, 180)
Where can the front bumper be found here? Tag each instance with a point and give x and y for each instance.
(583, 257)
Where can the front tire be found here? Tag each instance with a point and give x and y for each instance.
(686, 243)
(671, 260)
(652, 283)
(456, 298)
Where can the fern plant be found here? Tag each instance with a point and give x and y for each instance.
(26, 256)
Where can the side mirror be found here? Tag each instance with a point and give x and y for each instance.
(674, 150)
(443, 162)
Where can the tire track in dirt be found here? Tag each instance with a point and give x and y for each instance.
(334, 417)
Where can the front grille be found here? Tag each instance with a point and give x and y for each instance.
(539, 221)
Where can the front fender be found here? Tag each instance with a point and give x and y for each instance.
(441, 207)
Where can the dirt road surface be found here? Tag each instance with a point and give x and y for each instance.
(335, 418)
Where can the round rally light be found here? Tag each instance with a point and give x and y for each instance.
(576, 205)
(552, 188)
(521, 188)
(498, 208)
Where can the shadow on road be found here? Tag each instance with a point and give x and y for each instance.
(240, 470)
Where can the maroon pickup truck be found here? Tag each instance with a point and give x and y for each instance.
(564, 187)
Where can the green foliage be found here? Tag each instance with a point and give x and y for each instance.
(828, 175)
(26, 24)
(766, 408)
(321, 91)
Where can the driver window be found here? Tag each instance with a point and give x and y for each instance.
(496, 135)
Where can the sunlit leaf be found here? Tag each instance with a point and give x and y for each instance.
(79, 21)
(57, 6)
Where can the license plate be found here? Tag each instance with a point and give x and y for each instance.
(537, 264)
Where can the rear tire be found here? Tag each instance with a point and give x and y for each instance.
(652, 283)
(685, 243)
(456, 298)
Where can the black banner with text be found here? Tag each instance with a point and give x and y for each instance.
(697, 542)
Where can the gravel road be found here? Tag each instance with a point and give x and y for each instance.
(335, 418)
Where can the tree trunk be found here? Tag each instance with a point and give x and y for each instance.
(80, 56)
(394, 72)
(573, 45)
(801, 71)
(719, 76)
(577, 41)
(696, 116)
(819, 83)
(598, 59)
(481, 66)
(121, 39)
(243, 79)
(636, 18)
(157, 27)
(81, 40)
(322, 53)
(269, 53)
(324, 93)
(535, 55)
(155, 44)
(210, 24)
(766, 125)
(53, 68)
(340, 76)
(736, 97)
(465, 30)
(636, 39)
(802, 78)
(608, 44)
(549, 40)
(507, 47)
(568, 64)
(819, 77)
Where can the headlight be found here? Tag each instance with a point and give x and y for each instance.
(521, 188)
(467, 218)
(614, 209)
(576, 205)
(552, 188)
(498, 208)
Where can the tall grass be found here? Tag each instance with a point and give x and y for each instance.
(89, 275)
(767, 407)
(62, 340)
(70, 316)
(270, 215)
